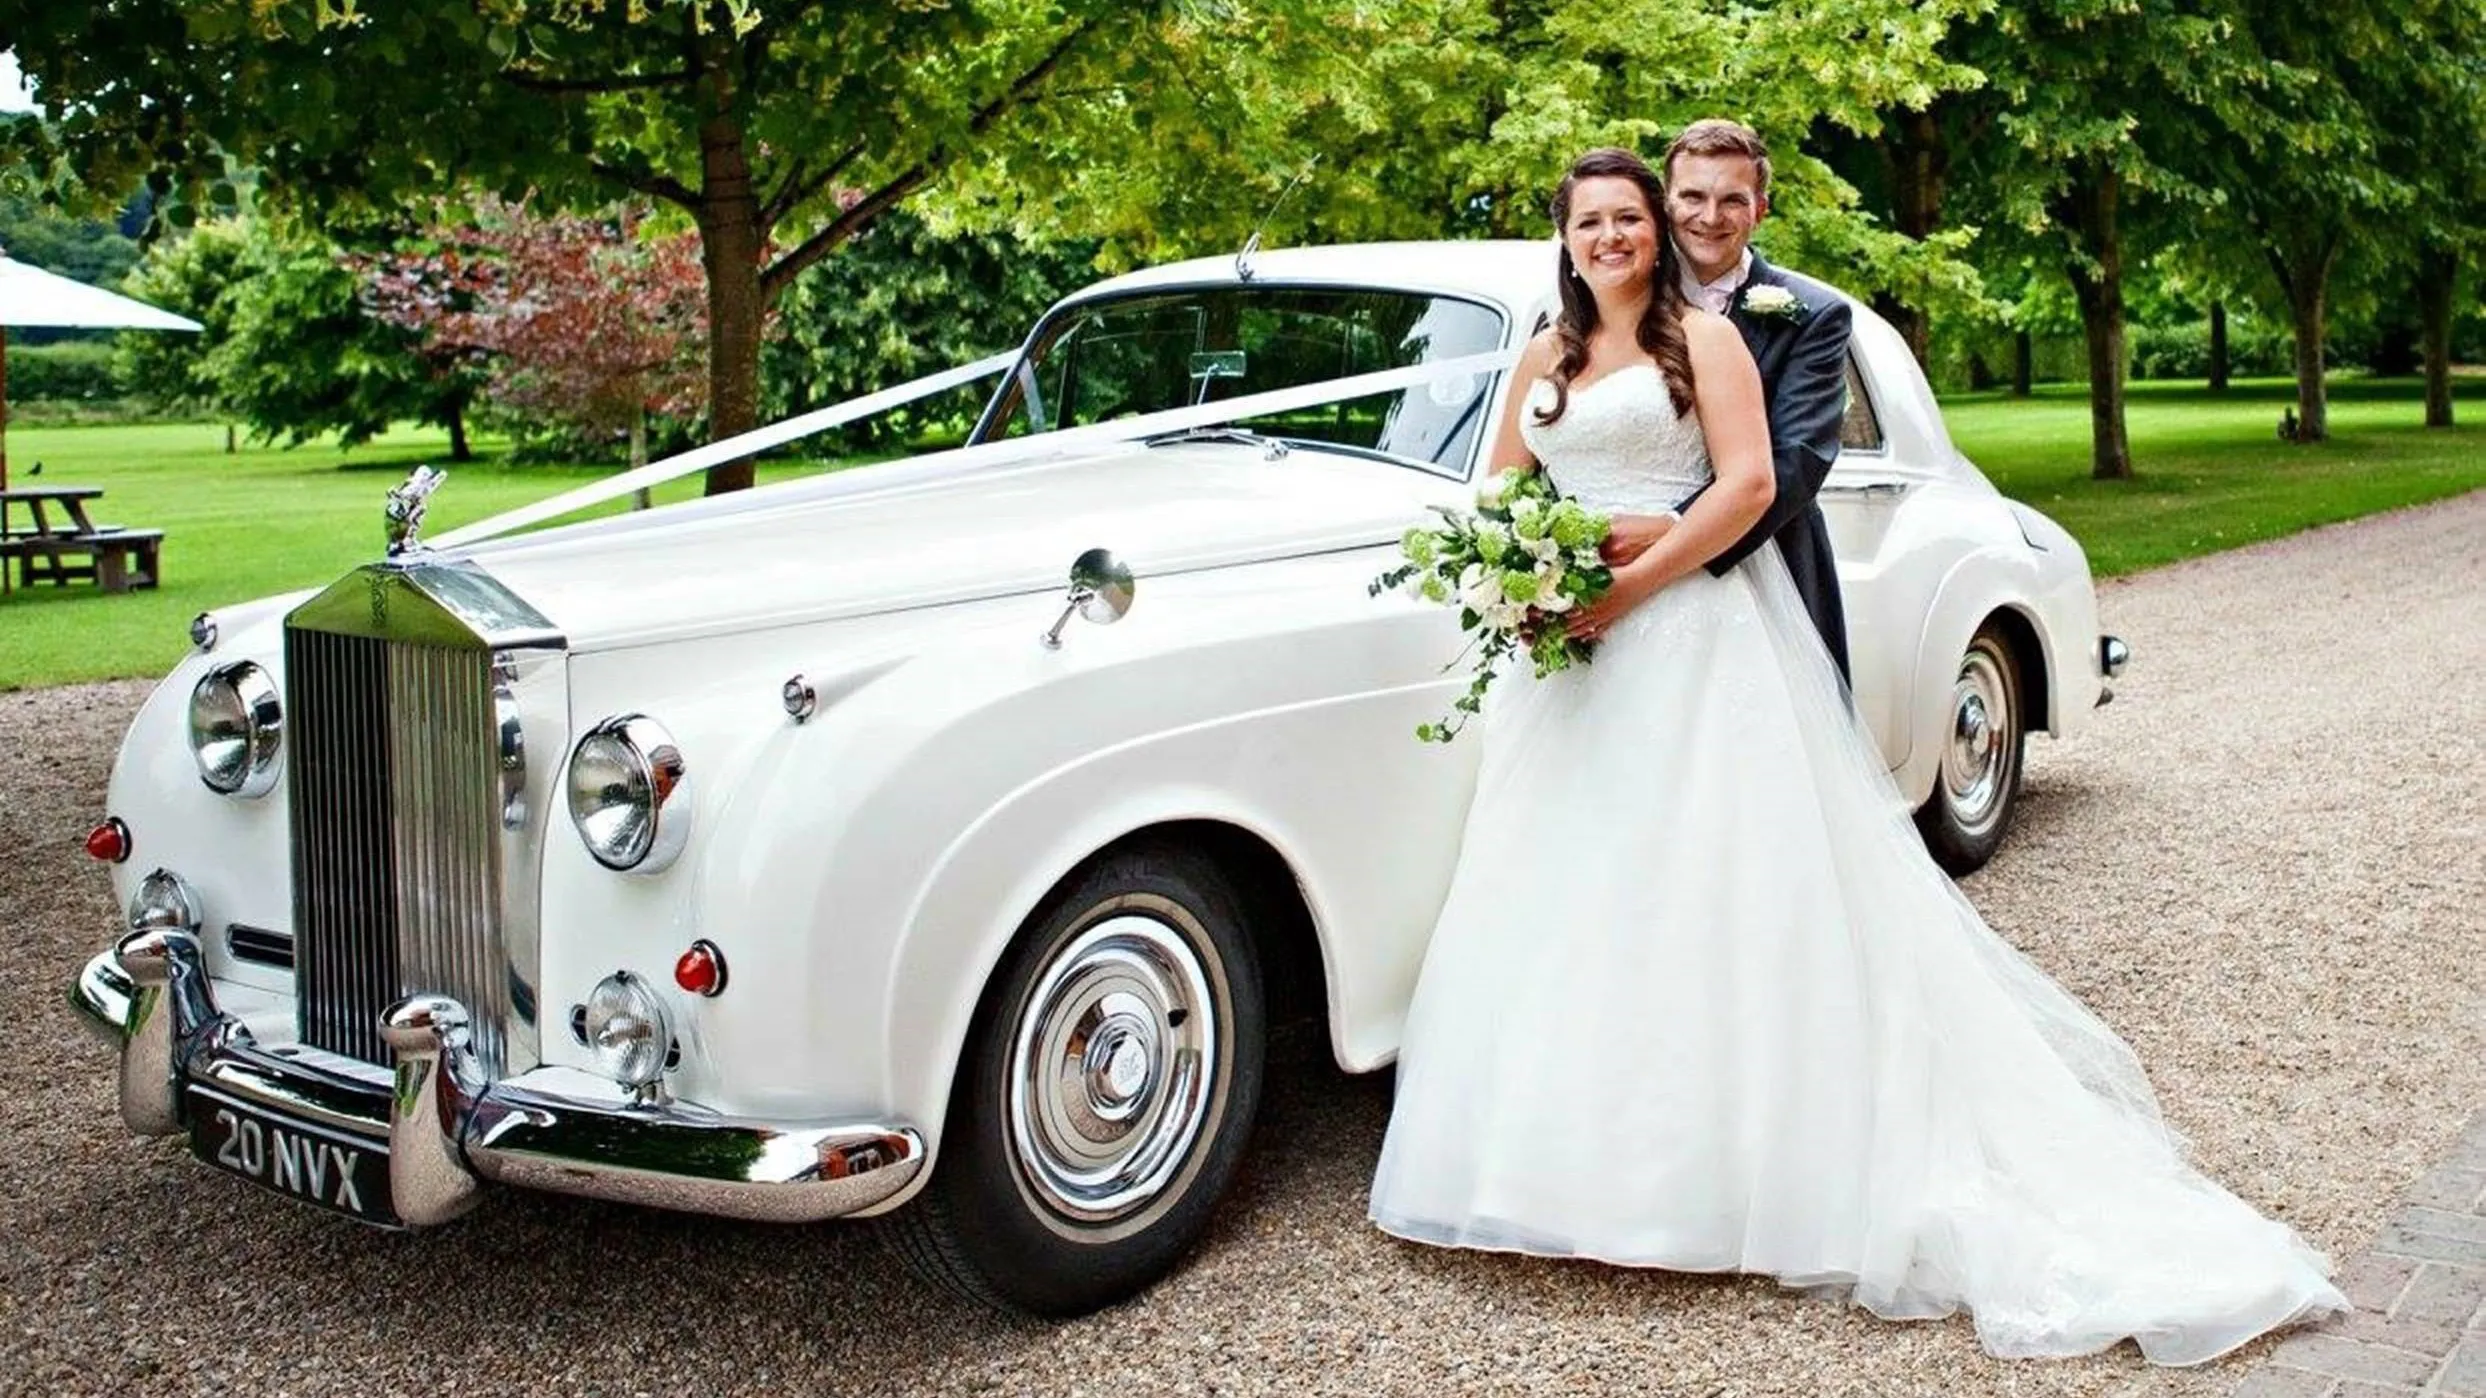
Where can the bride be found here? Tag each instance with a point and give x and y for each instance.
(1698, 999)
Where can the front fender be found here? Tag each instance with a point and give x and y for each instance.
(874, 863)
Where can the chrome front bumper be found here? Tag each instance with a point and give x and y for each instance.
(446, 1130)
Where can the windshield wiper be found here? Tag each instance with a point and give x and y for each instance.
(1271, 447)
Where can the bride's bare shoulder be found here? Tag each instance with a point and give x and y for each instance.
(1709, 336)
(1543, 351)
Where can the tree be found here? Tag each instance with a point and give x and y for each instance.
(2296, 175)
(745, 118)
(2095, 99)
(288, 347)
(903, 301)
(583, 321)
(1149, 127)
(2432, 138)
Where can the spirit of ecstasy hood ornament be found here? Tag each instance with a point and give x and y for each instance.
(405, 510)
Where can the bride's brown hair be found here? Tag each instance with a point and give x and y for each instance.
(1661, 325)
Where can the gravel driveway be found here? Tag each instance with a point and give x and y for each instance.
(2261, 864)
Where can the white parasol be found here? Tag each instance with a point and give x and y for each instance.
(32, 296)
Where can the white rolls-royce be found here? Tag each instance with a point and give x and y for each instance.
(936, 839)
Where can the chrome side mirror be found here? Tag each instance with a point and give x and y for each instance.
(1100, 590)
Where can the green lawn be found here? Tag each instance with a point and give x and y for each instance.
(2212, 475)
(260, 521)
(2211, 470)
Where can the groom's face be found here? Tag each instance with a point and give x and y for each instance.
(1713, 202)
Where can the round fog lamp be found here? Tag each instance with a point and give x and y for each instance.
(165, 900)
(237, 725)
(630, 794)
(628, 1031)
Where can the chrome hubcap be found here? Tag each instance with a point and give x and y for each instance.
(1976, 762)
(1111, 1068)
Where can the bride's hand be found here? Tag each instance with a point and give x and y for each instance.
(1590, 623)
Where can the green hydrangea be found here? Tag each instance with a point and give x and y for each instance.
(1419, 547)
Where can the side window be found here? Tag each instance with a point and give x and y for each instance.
(1859, 429)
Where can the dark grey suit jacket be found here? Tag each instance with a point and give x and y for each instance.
(1803, 361)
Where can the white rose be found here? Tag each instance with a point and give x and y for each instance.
(1769, 300)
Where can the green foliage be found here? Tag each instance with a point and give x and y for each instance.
(288, 347)
(902, 301)
(77, 371)
(90, 250)
(1432, 118)
(200, 275)
(2255, 345)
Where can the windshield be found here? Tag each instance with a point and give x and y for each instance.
(1153, 351)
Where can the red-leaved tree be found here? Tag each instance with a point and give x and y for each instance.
(583, 321)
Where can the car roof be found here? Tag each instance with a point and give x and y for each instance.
(1518, 276)
(1511, 273)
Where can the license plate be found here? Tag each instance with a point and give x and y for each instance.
(335, 1170)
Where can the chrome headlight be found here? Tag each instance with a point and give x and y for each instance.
(630, 794)
(628, 1032)
(237, 729)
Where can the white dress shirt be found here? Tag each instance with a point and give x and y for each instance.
(1715, 296)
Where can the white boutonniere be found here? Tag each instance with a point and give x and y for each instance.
(1777, 301)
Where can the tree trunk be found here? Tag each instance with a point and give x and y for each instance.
(1909, 321)
(2218, 347)
(642, 498)
(2023, 364)
(2305, 275)
(2438, 278)
(2087, 212)
(730, 242)
(1918, 159)
(231, 444)
(459, 448)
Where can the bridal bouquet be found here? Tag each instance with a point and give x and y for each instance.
(1525, 557)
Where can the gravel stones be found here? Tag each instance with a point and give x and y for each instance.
(2261, 864)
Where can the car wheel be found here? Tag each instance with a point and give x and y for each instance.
(1979, 782)
(1105, 1096)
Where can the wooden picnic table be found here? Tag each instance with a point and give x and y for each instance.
(71, 548)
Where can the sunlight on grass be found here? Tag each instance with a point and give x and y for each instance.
(2211, 472)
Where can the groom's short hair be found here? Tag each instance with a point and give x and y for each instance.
(1718, 136)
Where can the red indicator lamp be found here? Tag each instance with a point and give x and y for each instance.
(701, 970)
(109, 841)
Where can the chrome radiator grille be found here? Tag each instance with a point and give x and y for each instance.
(394, 759)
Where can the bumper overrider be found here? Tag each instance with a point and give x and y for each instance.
(320, 1134)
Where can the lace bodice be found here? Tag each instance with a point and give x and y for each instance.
(1619, 445)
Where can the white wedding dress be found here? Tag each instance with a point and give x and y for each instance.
(1699, 1000)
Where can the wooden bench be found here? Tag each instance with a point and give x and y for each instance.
(115, 560)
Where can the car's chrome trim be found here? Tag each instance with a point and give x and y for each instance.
(447, 1128)
(2113, 655)
(420, 686)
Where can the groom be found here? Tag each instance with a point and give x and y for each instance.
(1717, 187)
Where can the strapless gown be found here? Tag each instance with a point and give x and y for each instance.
(1699, 1000)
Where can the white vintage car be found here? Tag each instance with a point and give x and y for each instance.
(811, 853)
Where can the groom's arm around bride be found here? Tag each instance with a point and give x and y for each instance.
(1717, 189)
